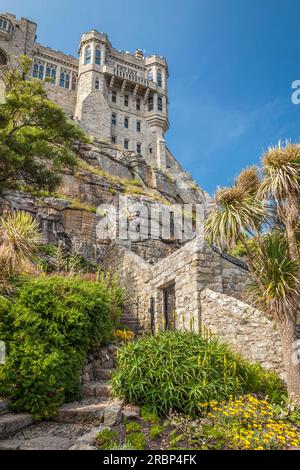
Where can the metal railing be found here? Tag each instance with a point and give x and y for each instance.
(231, 259)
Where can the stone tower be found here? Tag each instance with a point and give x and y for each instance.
(92, 104)
(118, 97)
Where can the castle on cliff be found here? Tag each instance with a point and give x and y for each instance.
(117, 97)
(121, 100)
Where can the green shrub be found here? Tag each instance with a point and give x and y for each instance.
(148, 414)
(132, 426)
(48, 330)
(177, 370)
(106, 439)
(137, 440)
(156, 431)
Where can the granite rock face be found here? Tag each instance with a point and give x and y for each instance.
(106, 174)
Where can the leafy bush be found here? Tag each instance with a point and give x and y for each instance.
(156, 431)
(133, 426)
(48, 330)
(137, 440)
(106, 439)
(177, 370)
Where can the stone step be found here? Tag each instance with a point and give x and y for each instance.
(108, 412)
(11, 423)
(43, 443)
(82, 412)
(102, 374)
(99, 389)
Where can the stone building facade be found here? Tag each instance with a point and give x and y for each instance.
(195, 289)
(117, 97)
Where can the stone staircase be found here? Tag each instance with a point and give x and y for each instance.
(76, 424)
(12, 422)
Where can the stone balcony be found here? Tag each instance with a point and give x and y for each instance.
(129, 77)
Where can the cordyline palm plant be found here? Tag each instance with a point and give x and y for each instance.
(263, 206)
(19, 240)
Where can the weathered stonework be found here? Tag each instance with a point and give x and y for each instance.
(205, 297)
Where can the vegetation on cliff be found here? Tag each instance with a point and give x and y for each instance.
(36, 136)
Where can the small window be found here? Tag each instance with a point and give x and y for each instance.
(51, 73)
(150, 150)
(87, 55)
(159, 78)
(35, 73)
(74, 82)
(114, 96)
(126, 122)
(97, 83)
(126, 100)
(138, 148)
(138, 126)
(150, 74)
(67, 83)
(98, 57)
(113, 119)
(150, 103)
(138, 104)
(113, 139)
(126, 144)
(38, 71)
(159, 103)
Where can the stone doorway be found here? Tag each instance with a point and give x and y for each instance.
(169, 306)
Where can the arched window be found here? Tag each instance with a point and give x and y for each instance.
(150, 74)
(97, 83)
(98, 56)
(87, 55)
(3, 58)
(159, 78)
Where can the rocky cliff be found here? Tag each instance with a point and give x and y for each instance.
(102, 175)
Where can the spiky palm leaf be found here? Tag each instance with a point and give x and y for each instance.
(282, 172)
(233, 214)
(20, 238)
(279, 276)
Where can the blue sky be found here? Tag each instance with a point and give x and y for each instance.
(231, 65)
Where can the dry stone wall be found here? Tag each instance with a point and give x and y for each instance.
(245, 328)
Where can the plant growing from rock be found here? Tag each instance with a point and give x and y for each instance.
(20, 239)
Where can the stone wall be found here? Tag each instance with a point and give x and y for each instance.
(246, 329)
(98, 359)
